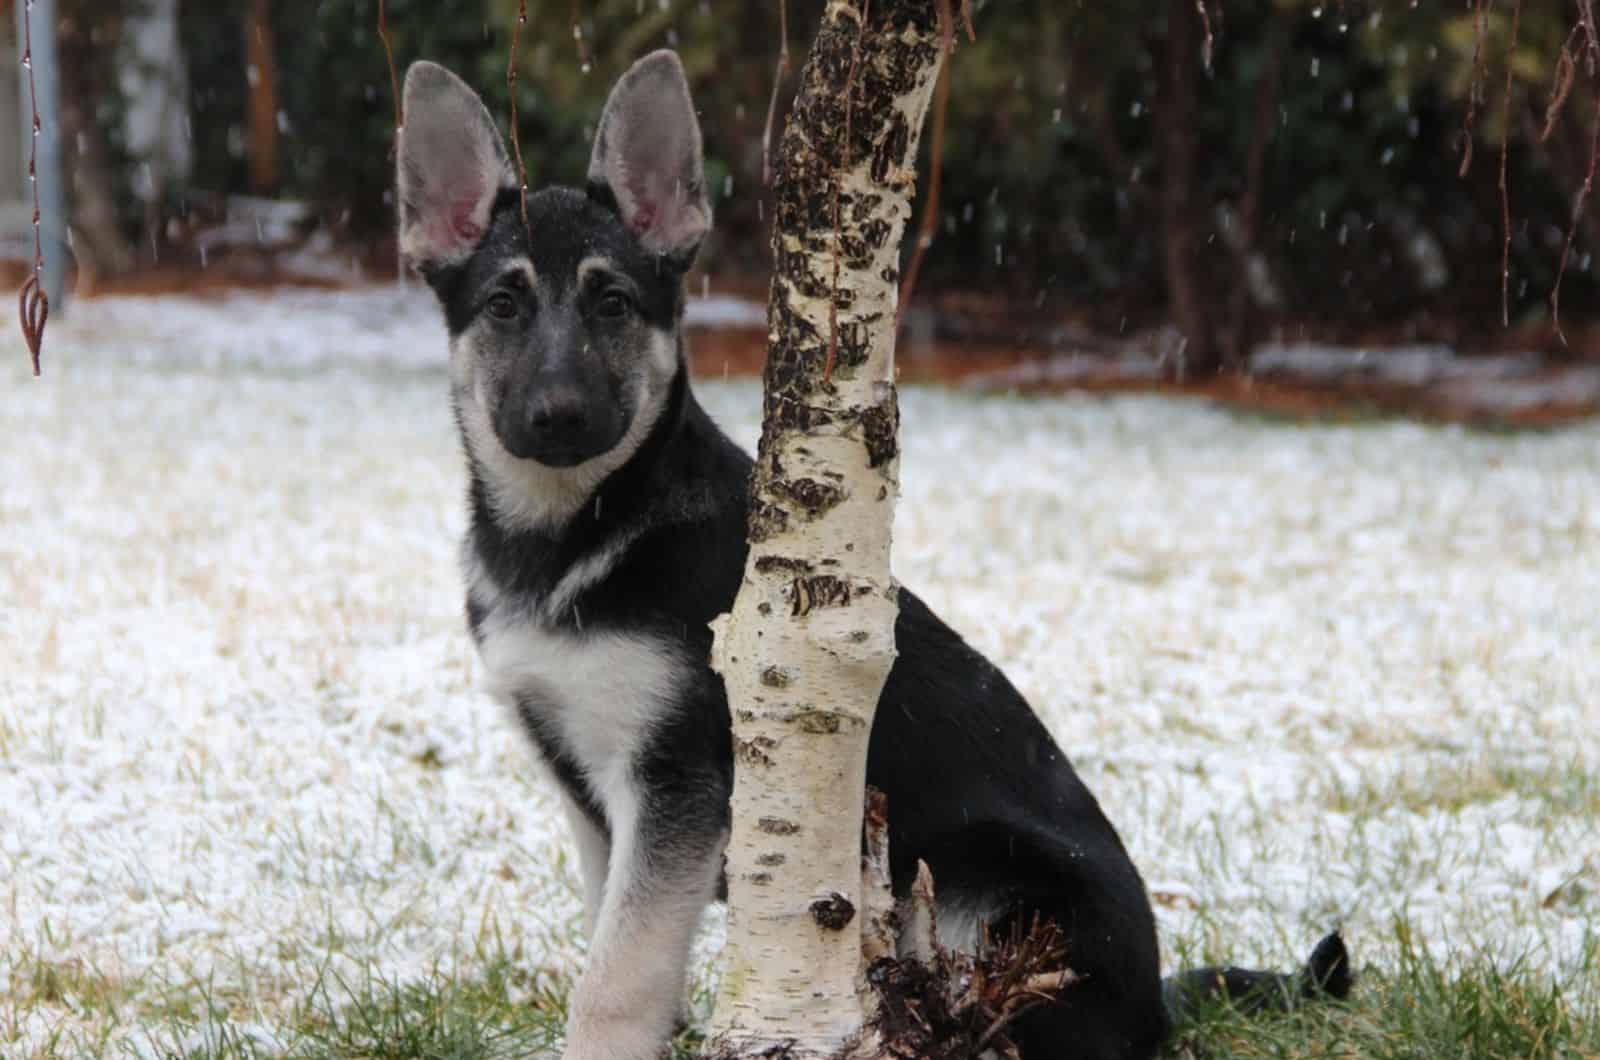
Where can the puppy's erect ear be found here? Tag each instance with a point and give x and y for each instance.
(452, 164)
(647, 151)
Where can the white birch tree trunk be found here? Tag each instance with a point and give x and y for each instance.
(809, 643)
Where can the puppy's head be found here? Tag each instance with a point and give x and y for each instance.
(564, 329)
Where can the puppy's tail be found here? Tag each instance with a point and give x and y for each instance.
(1325, 974)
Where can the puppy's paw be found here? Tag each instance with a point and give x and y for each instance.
(615, 1050)
(615, 1036)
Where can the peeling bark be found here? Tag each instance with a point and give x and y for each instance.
(809, 643)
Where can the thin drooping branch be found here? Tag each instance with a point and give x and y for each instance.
(929, 226)
(1505, 149)
(1591, 36)
(1585, 36)
(33, 304)
(777, 84)
(399, 104)
(1566, 74)
(394, 77)
(1469, 124)
(511, 85)
(1579, 203)
(1579, 52)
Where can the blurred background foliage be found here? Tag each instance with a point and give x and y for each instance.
(1094, 165)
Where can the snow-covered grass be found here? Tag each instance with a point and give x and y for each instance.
(1318, 675)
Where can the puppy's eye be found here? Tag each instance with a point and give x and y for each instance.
(502, 306)
(613, 305)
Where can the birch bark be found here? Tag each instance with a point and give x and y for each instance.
(809, 643)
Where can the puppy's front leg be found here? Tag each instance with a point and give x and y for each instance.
(665, 860)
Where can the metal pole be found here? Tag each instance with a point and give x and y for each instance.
(52, 185)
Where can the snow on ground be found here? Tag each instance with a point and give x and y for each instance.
(1318, 674)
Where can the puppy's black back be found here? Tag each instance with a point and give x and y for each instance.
(979, 790)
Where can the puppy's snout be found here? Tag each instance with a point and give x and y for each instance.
(557, 423)
(558, 410)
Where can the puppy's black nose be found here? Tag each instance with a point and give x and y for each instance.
(558, 410)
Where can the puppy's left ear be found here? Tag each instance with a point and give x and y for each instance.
(647, 151)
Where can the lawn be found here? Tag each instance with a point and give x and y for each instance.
(252, 804)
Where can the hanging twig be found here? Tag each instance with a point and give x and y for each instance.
(844, 166)
(33, 309)
(33, 304)
(930, 211)
(511, 84)
(1582, 43)
(1505, 147)
(777, 83)
(1566, 74)
(1561, 85)
(394, 77)
(1480, 19)
(1572, 229)
(1206, 45)
(1591, 35)
(399, 113)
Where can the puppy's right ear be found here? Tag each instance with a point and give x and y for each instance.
(452, 165)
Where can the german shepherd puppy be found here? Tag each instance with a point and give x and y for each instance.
(608, 529)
